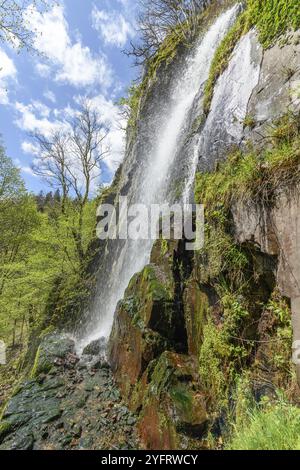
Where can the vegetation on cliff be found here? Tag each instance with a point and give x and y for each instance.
(270, 18)
(248, 335)
(256, 175)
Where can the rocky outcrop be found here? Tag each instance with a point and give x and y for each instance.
(148, 352)
(144, 346)
(277, 90)
(276, 231)
(149, 320)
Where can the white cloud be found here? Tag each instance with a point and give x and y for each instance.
(28, 170)
(32, 118)
(50, 96)
(112, 26)
(29, 147)
(8, 74)
(36, 117)
(109, 115)
(24, 169)
(43, 70)
(73, 63)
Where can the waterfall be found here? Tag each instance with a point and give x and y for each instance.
(225, 123)
(152, 181)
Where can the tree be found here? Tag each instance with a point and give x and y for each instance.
(14, 27)
(158, 18)
(11, 184)
(70, 160)
(54, 162)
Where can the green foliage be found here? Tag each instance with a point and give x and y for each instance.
(223, 351)
(212, 354)
(132, 104)
(228, 343)
(280, 330)
(270, 17)
(11, 184)
(220, 254)
(268, 427)
(249, 121)
(43, 278)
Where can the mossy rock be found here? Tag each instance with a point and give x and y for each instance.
(5, 428)
(52, 347)
(196, 305)
(132, 346)
(173, 409)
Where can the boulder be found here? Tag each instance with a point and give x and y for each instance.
(174, 411)
(53, 350)
(96, 347)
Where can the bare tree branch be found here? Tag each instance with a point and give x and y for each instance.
(158, 18)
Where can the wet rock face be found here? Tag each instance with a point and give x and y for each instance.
(150, 318)
(67, 407)
(174, 412)
(278, 88)
(276, 231)
(229, 107)
(95, 348)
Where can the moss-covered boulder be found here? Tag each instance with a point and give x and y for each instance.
(53, 348)
(174, 411)
(145, 325)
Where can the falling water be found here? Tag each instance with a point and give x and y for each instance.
(152, 182)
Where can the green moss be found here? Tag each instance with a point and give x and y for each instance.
(5, 428)
(164, 247)
(271, 19)
(183, 400)
(156, 289)
(41, 364)
(222, 354)
(133, 100)
(249, 121)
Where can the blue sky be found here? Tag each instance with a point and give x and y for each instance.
(80, 44)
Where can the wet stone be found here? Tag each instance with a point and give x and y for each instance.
(71, 407)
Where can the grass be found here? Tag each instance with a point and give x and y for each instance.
(273, 18)
(271, 427)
